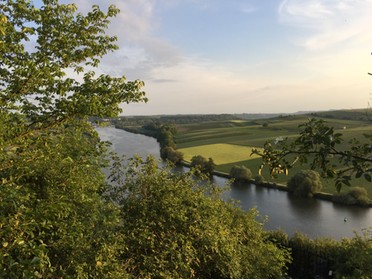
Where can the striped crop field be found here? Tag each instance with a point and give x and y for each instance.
(221, 153)
(230, 143)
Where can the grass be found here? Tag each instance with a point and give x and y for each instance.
(230, 143)
(222, 153)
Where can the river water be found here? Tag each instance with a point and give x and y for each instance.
(315, 218)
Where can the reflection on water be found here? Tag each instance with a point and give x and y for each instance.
(310, 216)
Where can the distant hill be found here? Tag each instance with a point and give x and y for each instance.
(352, 114)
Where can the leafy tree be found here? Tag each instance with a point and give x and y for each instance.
(305, 183)
(347, 258)
(353, 196)
(169, 153)
(53, 221)
(320, 146)
(203, 164)
(259, 179)
(240, 173)
(176, 227)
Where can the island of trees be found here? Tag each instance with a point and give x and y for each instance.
(61, 218)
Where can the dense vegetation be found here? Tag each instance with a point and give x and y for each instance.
(305, 183)
(240, 173)
(176, 227)
(202, 164)
(316, 258)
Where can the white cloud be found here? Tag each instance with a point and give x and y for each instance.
(329, 22)
(140, 48)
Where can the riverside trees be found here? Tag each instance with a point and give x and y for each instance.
(54, 220)
(322, 148)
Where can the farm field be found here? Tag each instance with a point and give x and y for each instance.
(230, 143)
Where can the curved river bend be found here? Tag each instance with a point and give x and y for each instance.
(316, 218)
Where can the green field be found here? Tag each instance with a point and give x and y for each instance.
(221, 153)
(230, 143)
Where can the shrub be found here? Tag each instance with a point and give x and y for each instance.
(203, 164)
(240, 173)
(176, 226)
(259, 179)
(354, 196)
(169, 153)
(305, 183)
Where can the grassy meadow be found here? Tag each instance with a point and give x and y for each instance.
(230, 143)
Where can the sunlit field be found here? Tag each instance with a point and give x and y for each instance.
(221, 153)
(230, 143)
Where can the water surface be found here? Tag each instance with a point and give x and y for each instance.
(316, 218)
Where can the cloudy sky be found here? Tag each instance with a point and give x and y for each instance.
(243, 56)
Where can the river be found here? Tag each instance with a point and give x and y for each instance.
(315, 218)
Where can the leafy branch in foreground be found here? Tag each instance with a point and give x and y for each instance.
(53, 220)
(177, 226)
(323, 148)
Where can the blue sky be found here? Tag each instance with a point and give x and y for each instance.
(235, 56)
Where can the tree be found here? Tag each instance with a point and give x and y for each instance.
(54, 222)
(169, 153)
(240, 173)
(203, 164)
(319, 145)
(353, 196)
(305, 183)
(176, 227)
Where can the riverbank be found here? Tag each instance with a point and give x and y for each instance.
(277, 209)
(272, 185)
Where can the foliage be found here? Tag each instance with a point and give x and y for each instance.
(347, 258)
(353, 196)
(203, 164)
(177, 227)
(305, 183)
(354, 257)
(169, 153)
(321, 145)
(53, 221)
(259, 179)
(240, 173)
(52, 218)
(36, 52)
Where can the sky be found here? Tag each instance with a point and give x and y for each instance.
(242, 56)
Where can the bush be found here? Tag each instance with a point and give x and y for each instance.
(354, 196)
(176, 226)
(169, 153)
(259, 179)
(347, 258)
(240, 173)
(203, 164)
(305, 183)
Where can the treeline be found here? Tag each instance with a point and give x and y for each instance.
(187, 118)
(173, 119)
(354, 114)
(164, 133)
(327, 258)
(138, 121)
